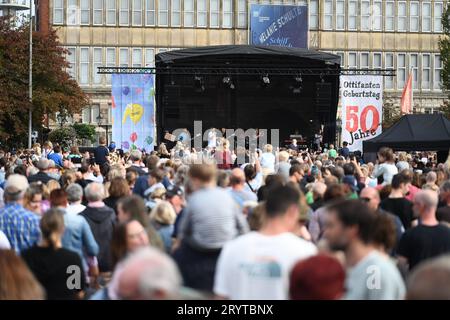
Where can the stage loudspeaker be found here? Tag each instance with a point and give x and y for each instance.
(323, 96)
(171, 101)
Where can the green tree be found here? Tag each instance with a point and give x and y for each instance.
(52, 85)
(85, 131)
(63, 136)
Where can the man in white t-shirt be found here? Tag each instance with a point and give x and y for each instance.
(256, 266)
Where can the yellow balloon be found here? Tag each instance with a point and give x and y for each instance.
(134, 111)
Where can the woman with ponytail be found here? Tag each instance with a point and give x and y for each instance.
(58, 270)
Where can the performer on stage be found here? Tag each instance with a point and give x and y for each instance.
(293, 145)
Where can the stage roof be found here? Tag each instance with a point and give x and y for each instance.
(236, 50)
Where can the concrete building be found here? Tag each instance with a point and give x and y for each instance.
(366, 34)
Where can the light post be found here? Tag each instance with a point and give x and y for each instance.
(10, 7)
(339, 132)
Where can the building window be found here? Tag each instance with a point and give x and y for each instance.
(97, 12)
(438, 10)
(137, 57)
(352, 15)
(58, 12)
(188, 13)
(110, 61)
(124, 12)
(242, 14)
(150, 13)
(98, 62)
(352, 60)
(72, 12)
(365, 15)
(414, 17)
(340, 15)
(149, 57)
(214, 13)
(227, 14)
(414, 67)
(426, 71)
(401, 70)
(377, 61)
(426, 17)
(437, 72)
(390, 16)
(313, 14)
(123, 57)
(342, 56)
(364, 60)
(328, 15)
(163, 13)
(95, 112)
(202, 14)
(175, 18)
(111, 13)
(377, 16)
(137, 13)
(84, 66)
(389, 64)
(72, 60)
(401, 16)
(86, 115)
(85, 8)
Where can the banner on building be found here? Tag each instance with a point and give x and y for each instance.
(279, 25)
(133, 105)
(362, 109)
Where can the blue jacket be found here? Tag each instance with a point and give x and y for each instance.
(57, 158)
(78, 237)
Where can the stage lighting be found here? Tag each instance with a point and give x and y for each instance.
(298, 78)
(199, 84)
(298, 86)
(266, 79)
(227, 81)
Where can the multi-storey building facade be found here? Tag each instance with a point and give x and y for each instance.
(397, 34)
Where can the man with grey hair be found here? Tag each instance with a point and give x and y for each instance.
(101, 219)
(430, 280)
(43, 165)
(148, 274)
(443, 213)
(20, 226)
(74, 197)
(429, 239)
(136, 159)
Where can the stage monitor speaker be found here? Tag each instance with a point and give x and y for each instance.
(323, 96)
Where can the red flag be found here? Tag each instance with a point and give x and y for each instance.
(407, 96)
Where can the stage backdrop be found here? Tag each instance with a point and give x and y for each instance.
(133, 101)
(362, 109)
(279, 25)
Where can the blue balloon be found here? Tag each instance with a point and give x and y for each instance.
(126, 90)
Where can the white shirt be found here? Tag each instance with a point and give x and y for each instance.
(267, 161)
(212, 139)
(388, 170)
(75, 208)
(4, 243)
(257, 267)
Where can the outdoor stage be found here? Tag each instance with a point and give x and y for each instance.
(293, 90)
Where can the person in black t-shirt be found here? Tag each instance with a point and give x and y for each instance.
(59, 270)
(101, 153)
(396, 203)
(427, 240)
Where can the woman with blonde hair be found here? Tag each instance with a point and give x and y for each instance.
(34, 197)
(18, 282)
(163, 217)
(267, 160)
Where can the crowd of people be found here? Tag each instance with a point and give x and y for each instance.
(201, 224)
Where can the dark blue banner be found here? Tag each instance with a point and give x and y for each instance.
(279, 25)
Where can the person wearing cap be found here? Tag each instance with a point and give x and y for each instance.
(20, 226)
(42, 176)
(175, 196)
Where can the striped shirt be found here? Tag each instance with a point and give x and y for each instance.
(20, 226)
(211, 219)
